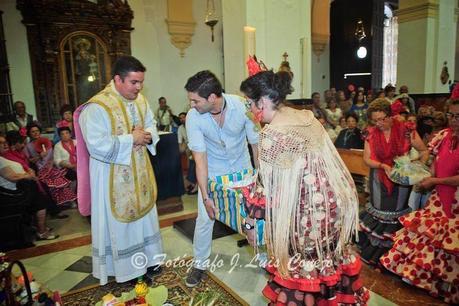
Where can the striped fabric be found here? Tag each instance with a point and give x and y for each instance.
(229, 201)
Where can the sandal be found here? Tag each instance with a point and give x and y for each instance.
(46, 236)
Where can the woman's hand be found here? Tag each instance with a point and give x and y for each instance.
(30, 175)
(43, 154)
(386, 169)
(34, 159)
(250, 234)
(427, 183)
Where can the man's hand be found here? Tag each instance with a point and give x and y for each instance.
(141, 138)
(210, 208)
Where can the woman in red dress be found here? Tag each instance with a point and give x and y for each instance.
(426, 249)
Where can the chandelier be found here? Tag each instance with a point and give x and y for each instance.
(211, 17)
(360, 31)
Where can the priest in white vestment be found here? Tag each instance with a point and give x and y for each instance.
(117, 127)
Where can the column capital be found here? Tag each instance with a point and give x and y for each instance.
(410, 10)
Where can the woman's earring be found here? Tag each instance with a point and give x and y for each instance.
(259, 115)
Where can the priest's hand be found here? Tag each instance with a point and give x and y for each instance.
(141, 138)
(210, 208)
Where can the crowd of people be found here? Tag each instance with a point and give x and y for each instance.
(411, 231)
(37, 171)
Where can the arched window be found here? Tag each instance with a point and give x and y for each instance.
(389, 47)
(86, 68)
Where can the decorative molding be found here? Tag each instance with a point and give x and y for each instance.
(180, 23)
(181, 33)
(320, 26)
(319, 43)
(49, 22)
(416, 11)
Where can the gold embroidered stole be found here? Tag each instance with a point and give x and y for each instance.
(133, 189)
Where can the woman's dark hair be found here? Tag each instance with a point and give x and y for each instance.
(389, 88)
(204, 83)
(330, 100)
(275, 86)
(379, 105)
(352, 115)
(13, 137)
(356, 96)
(126, 64)
(64, 128)
(65, 108)
(31, 126)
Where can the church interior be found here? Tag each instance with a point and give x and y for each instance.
(341, 54)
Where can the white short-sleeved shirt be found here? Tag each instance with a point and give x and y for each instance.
(16, 167)
(61, 154)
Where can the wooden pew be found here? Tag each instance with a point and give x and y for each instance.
(353, 159)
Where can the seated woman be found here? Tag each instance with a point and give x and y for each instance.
(333, 112)
(426, 249)
(40, 152)
(310, 205)
(351, 137)
(66, 112)
(341, 126)
(65, 153)
(17, 177)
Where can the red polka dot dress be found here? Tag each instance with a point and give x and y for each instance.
(426, 250)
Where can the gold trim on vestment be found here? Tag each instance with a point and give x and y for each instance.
(149, 169)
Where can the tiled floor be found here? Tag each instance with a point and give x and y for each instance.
(77, 226)
(70, 269)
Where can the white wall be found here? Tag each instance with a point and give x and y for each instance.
(446, 50)
(423, 46)
(280, 26)
(234, 20)
(320, 71)
(18, 55)
(167, 72)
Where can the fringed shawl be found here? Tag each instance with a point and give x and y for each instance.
(311, 199)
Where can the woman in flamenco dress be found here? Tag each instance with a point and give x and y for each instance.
(387, 138)
(309, 203)
(426, 250)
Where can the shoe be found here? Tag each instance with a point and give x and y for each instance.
(193, 190)
(46, 236)
(194, 278)
(59, 216)
(154, 271)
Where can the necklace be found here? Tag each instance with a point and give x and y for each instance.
(223, 108)
(219, 123)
